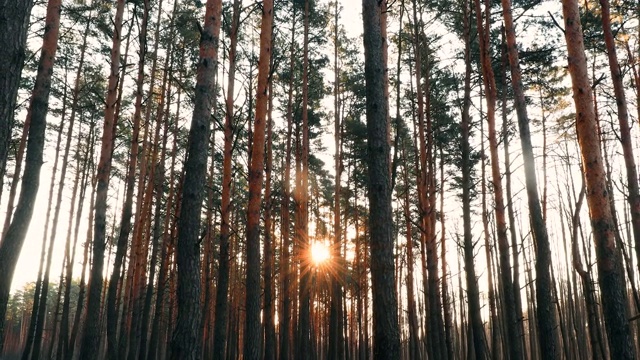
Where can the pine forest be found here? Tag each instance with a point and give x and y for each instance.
(319, 179)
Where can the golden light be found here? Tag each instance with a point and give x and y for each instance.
(320, 253)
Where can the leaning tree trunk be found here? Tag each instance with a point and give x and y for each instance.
(386, 338)
(11, 244)
(35, 319)
(85, 258)
(501, 225)
(185, 339)
(125, 222)
(612, 286)
(546, 314)
(91, 337)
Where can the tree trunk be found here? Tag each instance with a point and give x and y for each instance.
(495, 328)
(91, 337)
(304, 351)
(167, 246)
(256, 167)
(269, 294)
(610, 275)
(87, 243)
(386, 332)
(11, 244)
(70, 254)
(623, 121)
(510, 212)
(222, 289)
(65, 350)
(501, 224)
(35, 321)
(285, 267)
(14, 22)
(336, 326)
(125, 222)
(414, 334)
(476, 329)
(185, 339)
(546, 315)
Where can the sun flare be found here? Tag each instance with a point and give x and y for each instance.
(319, 253)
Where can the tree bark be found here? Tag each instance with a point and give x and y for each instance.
(167, 246)
(185, 339)
(91, 337)
(547, 321)
(623, 121)
(336, 326)
(37, 115)
(304, 350)
(385, 316)
(269, 294)
(256, 167)
(14, 22)
(612, 287)
(476, 330)
(127, 208)
(285, 267)
(222, 290)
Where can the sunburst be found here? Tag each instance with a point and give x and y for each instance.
(320, 253)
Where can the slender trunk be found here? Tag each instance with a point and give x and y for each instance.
(222, 289)
(269, 303)
(256, 167)
(476, 330)
(70, 249)
(12, 241)
(162, 116)
(285, 272)
(587, 283)
(87, 243)
(142, 226)
(91, 338)
(512, 224)
(435, 314)
(495, 327)
(336, 338)
(185, 339)
(414, 340)
(385, 304)
(446, 309)
(546, 315)
(302, 206)
(623, 121)
(614, 299)
(42, 300)
(547, 342)
(35, 323)
(125, 222)
(167, 245)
